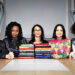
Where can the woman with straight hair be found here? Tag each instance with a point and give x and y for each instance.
(60, 44)
(37, 35)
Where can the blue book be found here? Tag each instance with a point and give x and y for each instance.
(42, 56)
(27, 45)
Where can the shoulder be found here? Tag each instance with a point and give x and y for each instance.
(67, 39)
(52, 40)
(30, 42)
(44, 41)
(24, 40)
(5, 39)
(1, 42)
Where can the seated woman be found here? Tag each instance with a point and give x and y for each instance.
(37, 36)
(60, 45)
(14, 39)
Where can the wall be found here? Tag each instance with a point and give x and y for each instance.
(47, 13)
(2, 22)
(71, 18)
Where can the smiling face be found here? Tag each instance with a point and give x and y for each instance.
(15, 31)
(59, 32)
(37, 31)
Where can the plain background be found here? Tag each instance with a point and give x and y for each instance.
(47, 13)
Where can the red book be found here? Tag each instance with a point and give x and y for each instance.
(25, 57)
(42, 48)
(26, 48)
(43, 44)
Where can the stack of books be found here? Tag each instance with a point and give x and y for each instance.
(26, 51)
(42, 50)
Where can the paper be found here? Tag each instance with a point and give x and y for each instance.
(34, 64)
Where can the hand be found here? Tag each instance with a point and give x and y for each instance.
(74, 58)
(56, 56)
(10, 55)
(7, 56)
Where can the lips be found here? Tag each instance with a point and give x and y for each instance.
(58, 34)
(15, 35)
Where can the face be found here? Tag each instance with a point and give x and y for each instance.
(15, 31)
(59, 32)
(37, 31)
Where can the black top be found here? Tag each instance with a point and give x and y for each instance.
(13, 45)
(3, 50)
(43, 41)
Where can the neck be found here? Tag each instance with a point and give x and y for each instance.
(14, 38)
(59, 38)
(37, 39)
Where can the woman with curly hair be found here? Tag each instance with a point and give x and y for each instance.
(14, 39)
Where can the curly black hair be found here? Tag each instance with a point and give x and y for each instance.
(64, 33)
(9, 30)
(73, 29)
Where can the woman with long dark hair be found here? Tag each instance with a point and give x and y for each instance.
(37, 35)
(14, 38)
(60, 45)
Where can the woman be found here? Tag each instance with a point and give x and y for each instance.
(37, 35)
(14, 39)
(73, 42)
(60, 45)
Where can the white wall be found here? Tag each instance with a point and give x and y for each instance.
(71, 17)
(2, 23)
(47, 13)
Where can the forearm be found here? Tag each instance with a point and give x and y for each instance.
(62, 56)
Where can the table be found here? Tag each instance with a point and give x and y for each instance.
(70, 64)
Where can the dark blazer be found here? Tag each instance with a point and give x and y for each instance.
(3, 50)
(13, 45)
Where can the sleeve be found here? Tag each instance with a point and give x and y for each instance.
(3, 51)
(24, 41)
(2, 56)
(66, 49)
(7, 45)
(52, 44)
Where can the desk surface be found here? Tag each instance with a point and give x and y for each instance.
(70, 64)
